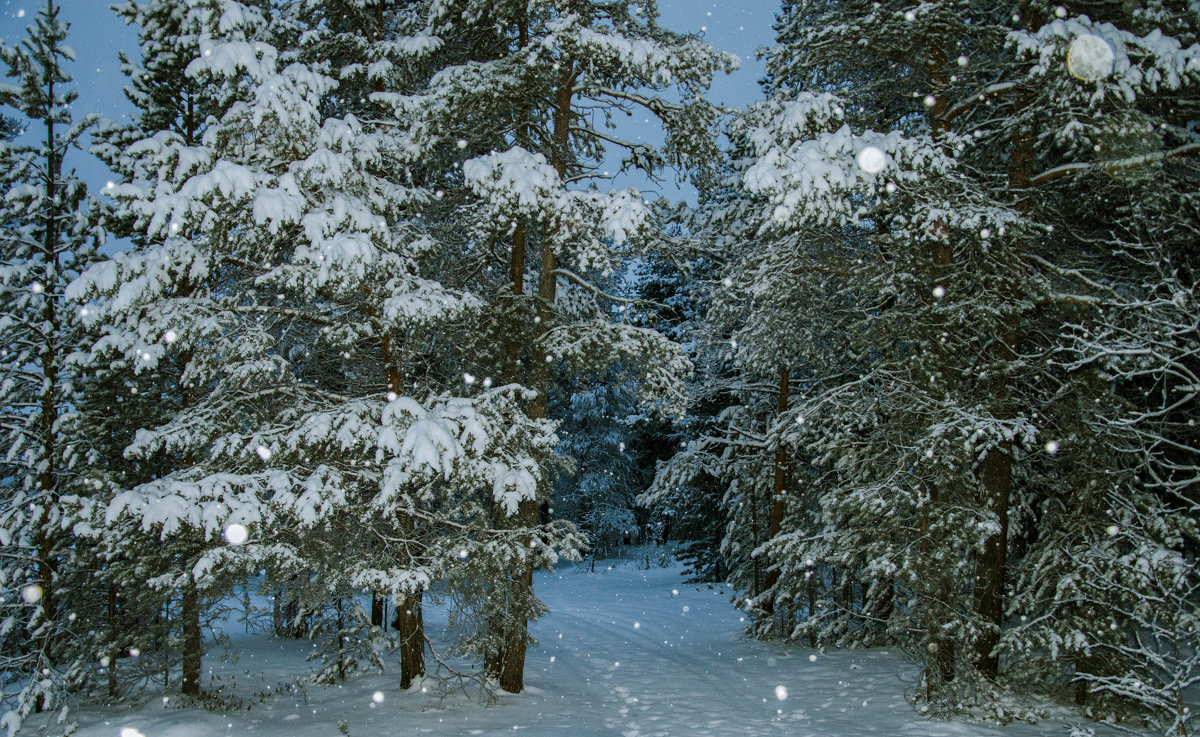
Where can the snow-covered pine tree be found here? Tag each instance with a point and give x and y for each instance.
(122, 393)
(172, 312)
(891, 379)
(1115, 170)
(535, 68)
(48, 232)
(691, 478)
(312, 256)
(933, 446)
(597, 434)
(817, 250)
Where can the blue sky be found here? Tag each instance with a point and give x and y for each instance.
(740, 26)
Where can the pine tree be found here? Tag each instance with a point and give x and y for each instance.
(50, 232)
(167, 311)
(597, 435)
(893, 176)
(1122, 191)
(533, 70)
(289, 262)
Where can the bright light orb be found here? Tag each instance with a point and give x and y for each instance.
(32, 593)
(1090, 58)
(781, 693)
(871, 160)
(1052, 447)
(236, 534)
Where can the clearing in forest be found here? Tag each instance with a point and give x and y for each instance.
(624, 651)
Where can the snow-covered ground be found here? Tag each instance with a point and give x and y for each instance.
(628, 652)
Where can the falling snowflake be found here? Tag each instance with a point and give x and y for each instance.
(1090, 58)
(871, 160)
(236, 534)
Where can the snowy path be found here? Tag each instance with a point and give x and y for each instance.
(623, 652)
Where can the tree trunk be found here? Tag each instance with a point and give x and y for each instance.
(378, 613)
(164, 633)
(1081, 686)
(340, 640)
(113, 690)
(997, 467)
(411, 626)
(989, 577)
(779, 490)
(192, 642)
(493, 661)
(939, 649)
(512, 675)
(756, 538)
(48, 481)
(812, 604)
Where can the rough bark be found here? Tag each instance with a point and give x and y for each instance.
(779, 490)
(990, 569)
(192, 641)
(410, 625)
(113, 690)
(940, 649)
(997, 467)
(512, 675)
(811, 590)
(48, 481)
(378, 615)
(493, 661)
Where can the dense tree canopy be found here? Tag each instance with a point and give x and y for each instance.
(918, 368)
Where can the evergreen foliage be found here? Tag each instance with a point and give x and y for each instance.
(49, 231)
(934, 235)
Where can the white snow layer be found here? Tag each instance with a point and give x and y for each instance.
(623, 652)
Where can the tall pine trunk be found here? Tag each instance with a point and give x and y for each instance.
(411, 627)
(48, 479)
(192, 641)
(512, 674)
(409, 621)
(997, 467)
(779, 489)
(378, 611)
(493, 663)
